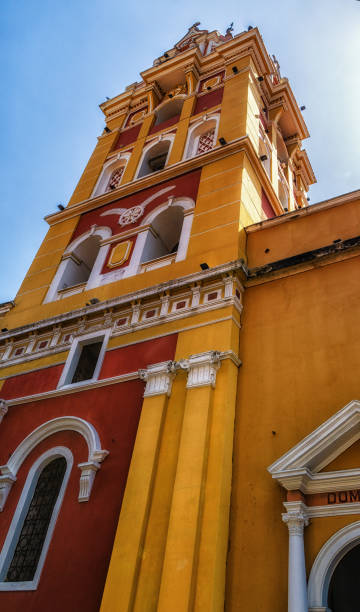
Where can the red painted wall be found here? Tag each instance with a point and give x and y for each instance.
(266, 206)
(164, 124)
(75, 569)
(74, 572)
(132, 358)
(128, 136)
(32, 382)
(118, 361)
(213, 98)
(185, 185)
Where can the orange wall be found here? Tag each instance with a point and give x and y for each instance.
(300, 350)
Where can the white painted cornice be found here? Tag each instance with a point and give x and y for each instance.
(190, 279)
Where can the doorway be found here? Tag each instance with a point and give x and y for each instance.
(344, 590)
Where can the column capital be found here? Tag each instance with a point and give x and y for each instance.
(158, 378)
(201, 368)
(3, 408)
(295, 518)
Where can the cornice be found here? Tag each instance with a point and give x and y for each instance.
(194, 279)
(182, 167)
(346, 198)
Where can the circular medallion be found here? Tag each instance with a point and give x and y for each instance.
(131, 215)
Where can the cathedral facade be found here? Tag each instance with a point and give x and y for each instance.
(180, 414)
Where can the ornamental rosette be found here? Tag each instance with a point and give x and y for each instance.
(131, 215)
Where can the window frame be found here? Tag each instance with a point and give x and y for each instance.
(74, 354)
(20, 513)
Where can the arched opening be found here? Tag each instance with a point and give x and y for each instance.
(80, 262)
(164, 235)
(155, 158)
(169, 110)
(115, 178)
(344, 588)
(283, 196)
(33, 531)
(202, 138)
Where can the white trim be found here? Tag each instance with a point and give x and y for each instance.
(109, 167)
(20, 514)
(326, 561)
(200, 127)
(74, 354)
(67, 423)
(150, 145)
(299, 467)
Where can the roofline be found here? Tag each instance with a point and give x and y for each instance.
(345, 198)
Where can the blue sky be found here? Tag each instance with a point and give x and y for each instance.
(59, 60)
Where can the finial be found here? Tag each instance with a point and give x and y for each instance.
(195, 25)
(230, 28)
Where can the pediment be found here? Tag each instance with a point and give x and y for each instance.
(301, 467)
(190, 36)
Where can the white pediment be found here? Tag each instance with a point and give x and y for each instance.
(300, 468)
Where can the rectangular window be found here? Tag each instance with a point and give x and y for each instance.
(87, 362)
(85, 359)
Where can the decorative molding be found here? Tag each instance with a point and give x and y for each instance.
(95, 453)
(59, 338)
(201, 368)
(298, 468)
(296, 518)
(88, 473)
(158, 378)
(3, 408)
(6, 482)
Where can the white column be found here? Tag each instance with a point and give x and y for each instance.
(185, 236)
(134, 264)
(296, 519)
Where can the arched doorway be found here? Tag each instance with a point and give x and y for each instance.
(335, 572)
(344, 589)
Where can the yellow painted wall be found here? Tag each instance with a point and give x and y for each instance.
(300, 350)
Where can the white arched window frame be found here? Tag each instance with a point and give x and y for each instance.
(17, 522)
(195, 132)
(147, 151)
(325, 563)
(66, 423)
(188, 206)
(109, 168)
(95, 275)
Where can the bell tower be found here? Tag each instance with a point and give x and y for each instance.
(132, 309)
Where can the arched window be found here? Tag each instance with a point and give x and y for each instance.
(29, 536)
(115, 179)
(154, 157)
(34, 529)
(111, 174)
(164, 235)
(202, 137)
(81, 264)
(283, 196)
(169, 110)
